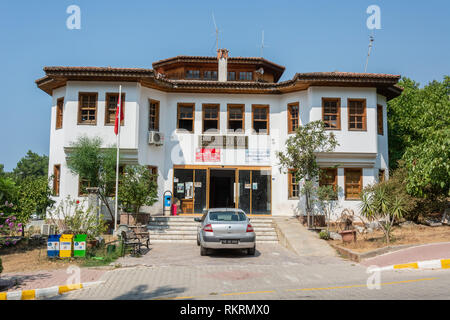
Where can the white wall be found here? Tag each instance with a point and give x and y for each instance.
(368, 148)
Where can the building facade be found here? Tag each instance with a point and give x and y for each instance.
(210, 128)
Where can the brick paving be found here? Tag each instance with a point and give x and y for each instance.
(414, 254)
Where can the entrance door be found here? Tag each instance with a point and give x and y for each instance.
(221, 188)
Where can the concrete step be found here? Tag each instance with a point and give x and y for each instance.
(187, 224)
(181, 218)
(194, 241)
(194, 237)
(194, 232)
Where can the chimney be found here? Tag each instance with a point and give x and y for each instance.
(222, 56)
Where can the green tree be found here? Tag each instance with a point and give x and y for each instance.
(301, 156)
(138, 187)
(34, 195)
(32, 165)
(419, 134)
(95, 164)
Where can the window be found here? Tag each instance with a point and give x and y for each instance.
(154, 171)
(231, 76)
(56, 179)
(153, 116)
(293, 117)
(193, 74)
(83, 184)
(381, 175)
(87, 108)
(292, 185)
(356, 114)
(353, 183)
(210, 118)
(380, 119)
(111, 101)
(260, 118)
(185, 118)
(210, 75)
(245, 76)
(331, 113)
(59, 113)
(236, 118)
(328, 177)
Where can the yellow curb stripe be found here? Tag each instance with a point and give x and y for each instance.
(28, 294)
(445, 263)
(360, 285)
(412, 265)
(2, 295)
(250, 292)
(69, 287)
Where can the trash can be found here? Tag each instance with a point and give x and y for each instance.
(53, 246)
(79, 245)
(174, 209)
(65, 245)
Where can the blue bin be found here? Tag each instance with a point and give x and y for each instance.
(167, 200)
(53, 246)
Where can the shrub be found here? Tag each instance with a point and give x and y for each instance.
(75, 217)
(9, 228)
(324, 234)
(1, 266)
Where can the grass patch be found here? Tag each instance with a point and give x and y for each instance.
(102, 255)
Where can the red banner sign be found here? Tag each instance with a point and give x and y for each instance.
(207, 155)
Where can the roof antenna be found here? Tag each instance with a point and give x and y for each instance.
(371, 39)
(217, 32)
(262, 45)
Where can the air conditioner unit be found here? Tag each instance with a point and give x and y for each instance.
(48, 229)
(155, 138)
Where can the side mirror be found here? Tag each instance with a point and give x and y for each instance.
(197, 220)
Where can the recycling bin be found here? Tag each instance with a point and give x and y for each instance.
(79, 245)
(65, 245)
(53, 246)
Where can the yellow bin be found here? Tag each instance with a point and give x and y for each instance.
(65, 245)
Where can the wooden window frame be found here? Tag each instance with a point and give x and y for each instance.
(107, 111)
(246, 74)
(381, 175)
(334, 183)
(59, 113)
(364, 115)
(56, 179)
(157, 117)
(289, 117)
(154, 171)
(360, 185)
(87, 122)
(261, 106)
(211, 105)
(186, 104)
(231, 106)
(380, 119)
(291, 196)
(338, 114)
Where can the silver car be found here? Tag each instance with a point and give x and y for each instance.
(225, 229)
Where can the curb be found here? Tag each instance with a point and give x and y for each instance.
(44, 292)
(420, 265)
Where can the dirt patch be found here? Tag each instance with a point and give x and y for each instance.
(413, 234)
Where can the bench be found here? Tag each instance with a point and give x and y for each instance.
(135, 239)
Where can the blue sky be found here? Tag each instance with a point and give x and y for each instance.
(304, 36)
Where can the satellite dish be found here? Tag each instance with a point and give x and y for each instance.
(260, 70)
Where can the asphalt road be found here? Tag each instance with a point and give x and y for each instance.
(177, 271)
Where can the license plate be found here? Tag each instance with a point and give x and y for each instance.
(230, 241)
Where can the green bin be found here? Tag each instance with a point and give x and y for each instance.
(79, 245)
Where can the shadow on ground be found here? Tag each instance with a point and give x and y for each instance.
(140, 293)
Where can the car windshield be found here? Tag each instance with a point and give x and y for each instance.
(226, 216)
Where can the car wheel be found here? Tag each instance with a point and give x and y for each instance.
(198, 241)
(251, 251)
(203, 251)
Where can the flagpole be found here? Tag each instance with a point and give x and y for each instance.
(117, 159)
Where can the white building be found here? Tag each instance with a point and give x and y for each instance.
(223, 119)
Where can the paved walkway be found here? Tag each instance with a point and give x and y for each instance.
(45, 279)
(413, 254)
(293, 235)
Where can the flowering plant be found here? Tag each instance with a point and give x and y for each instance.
(9, 228)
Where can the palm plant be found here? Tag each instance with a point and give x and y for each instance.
(381, 205)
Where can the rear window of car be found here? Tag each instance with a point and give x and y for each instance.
(226, 216)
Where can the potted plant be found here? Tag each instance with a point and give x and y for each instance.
(348, 233)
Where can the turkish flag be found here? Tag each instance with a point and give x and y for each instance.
(119, 109)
